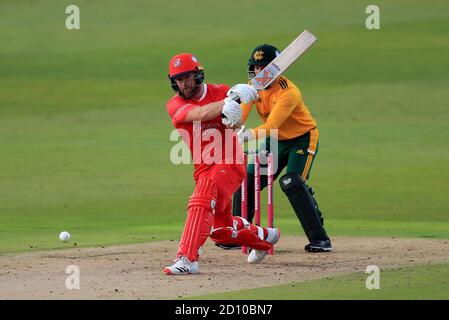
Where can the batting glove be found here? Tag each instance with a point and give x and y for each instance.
(244, 92)
(231, 113)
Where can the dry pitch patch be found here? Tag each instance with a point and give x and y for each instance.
(135, 271)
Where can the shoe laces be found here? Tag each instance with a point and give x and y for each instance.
(183, 259)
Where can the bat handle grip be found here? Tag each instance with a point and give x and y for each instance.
(237, 99)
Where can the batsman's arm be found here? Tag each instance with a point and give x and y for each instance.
(207, 112)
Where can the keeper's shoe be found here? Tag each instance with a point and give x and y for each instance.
(182, 265)
(257, 256)
(319, 246)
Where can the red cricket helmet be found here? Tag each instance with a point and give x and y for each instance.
(182, 64)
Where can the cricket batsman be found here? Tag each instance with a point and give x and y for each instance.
(281, 107)
(198, 109)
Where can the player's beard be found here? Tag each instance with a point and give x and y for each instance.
(187, 94)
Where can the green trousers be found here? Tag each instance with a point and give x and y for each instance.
(290, 154)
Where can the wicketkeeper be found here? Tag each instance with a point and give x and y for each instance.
(281, 107)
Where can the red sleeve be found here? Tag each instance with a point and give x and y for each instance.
(223, 89)
(218, 91)
(178, 110)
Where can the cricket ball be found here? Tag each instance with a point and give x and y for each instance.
(64, 236)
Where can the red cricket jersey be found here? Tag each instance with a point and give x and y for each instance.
(209, 141)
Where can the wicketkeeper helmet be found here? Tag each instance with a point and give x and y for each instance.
(261, 56)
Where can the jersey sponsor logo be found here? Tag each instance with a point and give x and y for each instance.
(209, 130)
(206, 126)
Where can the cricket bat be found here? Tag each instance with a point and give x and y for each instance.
(281, 63)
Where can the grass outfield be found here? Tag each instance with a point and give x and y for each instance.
(84, 135)
(417, 283)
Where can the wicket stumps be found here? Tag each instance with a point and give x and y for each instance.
(244, 190)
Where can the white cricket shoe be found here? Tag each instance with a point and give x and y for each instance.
(182, 265)
(257, 256)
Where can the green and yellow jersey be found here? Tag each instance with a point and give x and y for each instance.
(281, 107)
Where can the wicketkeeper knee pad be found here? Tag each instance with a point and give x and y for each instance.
(199, 219)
